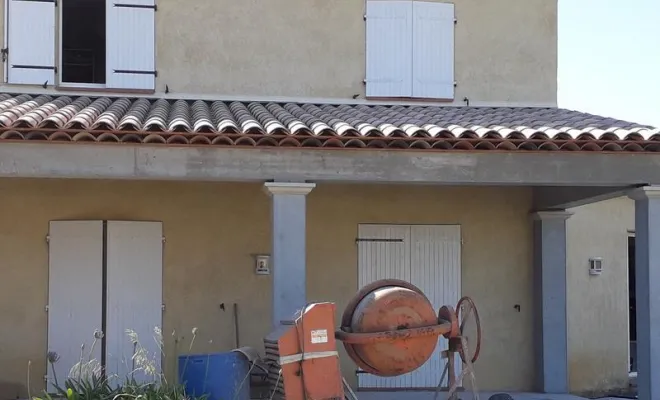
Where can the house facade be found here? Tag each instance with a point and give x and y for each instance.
(151, 152)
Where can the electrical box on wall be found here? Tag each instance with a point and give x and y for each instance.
(595, 266)
(262, 266)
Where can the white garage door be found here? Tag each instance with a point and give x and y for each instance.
(429, 257)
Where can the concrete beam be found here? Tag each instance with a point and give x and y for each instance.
(157, 162)
(564, 197)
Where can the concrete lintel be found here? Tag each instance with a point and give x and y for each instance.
(211, 163)
(646, 192)
(564, 197)
(288, 188)
(551, 214)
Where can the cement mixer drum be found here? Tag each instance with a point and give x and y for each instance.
(390, 328)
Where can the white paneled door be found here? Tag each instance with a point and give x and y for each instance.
(104, 276)
(134, 295)
(75, 292)
(429, 257)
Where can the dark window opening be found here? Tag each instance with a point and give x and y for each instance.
(83, 41)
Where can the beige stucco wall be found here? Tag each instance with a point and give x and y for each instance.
(211, 231)
(506, 50)
(598, 305)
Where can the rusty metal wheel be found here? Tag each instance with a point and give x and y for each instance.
(466, 312)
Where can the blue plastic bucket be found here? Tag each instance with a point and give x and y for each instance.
(220, 376)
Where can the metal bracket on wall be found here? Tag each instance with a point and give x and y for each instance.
(377, 240)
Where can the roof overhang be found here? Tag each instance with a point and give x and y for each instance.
(205, 163)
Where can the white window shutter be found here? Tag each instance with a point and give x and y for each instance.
(131, 40)
(433, 50)
(31, 42)
(389, 49)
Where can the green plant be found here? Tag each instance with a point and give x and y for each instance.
(87, 379)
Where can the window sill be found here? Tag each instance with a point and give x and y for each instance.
(100, 89)
(411, 99)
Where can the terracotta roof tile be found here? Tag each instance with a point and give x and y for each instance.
(200, 122)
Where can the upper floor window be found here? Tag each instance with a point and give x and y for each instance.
(410, 49)
(99, 43)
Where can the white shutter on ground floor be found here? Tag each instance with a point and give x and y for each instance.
(383, 253)
(429, 257)
(130, 48)
(31, 42)
(75, 292)
(436, 270)
(134, 293)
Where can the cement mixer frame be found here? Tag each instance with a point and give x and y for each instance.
(389, 328)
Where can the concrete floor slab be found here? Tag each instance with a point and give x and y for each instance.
(415, 395)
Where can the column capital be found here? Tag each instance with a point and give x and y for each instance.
(645, 192)
(554, 214)
(299, 188)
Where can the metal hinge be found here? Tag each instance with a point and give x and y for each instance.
(125, 5)
(163, 239)
(358, 240)
(46, 308)
(47, 238)
(162, 307)
(5, 54)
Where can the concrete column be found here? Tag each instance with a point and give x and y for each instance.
(288, 249)
(647, 271)
(550, 311)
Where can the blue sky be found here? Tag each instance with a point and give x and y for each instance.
(609, 58)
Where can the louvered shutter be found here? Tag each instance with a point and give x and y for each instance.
(389, 49)
(433, 50)
(130, 29)
(31, 42)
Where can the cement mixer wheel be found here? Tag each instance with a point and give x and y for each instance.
(463, 317)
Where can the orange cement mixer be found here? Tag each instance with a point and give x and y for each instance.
(389, 328)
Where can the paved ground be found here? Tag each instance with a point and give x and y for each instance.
(464, 396)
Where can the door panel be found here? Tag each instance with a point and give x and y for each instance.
(134, 294)
(75, 292)
(382, 260)
(436, 260)
(429, 257)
